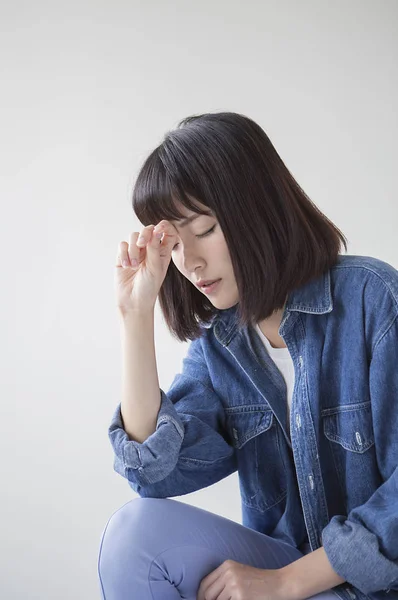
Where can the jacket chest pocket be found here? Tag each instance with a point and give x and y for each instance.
(254, 434)
(350, 426)
(349, 429)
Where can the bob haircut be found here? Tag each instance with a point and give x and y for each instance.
(277, 238)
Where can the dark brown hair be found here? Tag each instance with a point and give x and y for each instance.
(277, 238)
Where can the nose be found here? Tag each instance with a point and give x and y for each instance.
(191, 260)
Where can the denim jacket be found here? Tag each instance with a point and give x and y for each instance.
(334, 480)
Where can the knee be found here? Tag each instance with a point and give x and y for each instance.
(132, 518)
(136, 522)
(123, 547)
(124, 529)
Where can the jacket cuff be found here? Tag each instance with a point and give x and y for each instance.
(354, 553)
(153, 459)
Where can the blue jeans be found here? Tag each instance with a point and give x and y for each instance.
(161, 549)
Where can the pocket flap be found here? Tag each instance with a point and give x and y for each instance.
(350, 426)
(246, 422)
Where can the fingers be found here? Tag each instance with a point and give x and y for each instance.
(169, 234)
(138, 244)
(133, 253)
(129, 254)
(145, 236)
(122, 259)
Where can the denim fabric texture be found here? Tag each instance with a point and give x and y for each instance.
(334, 481)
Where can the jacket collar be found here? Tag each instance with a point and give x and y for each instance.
(314, 297)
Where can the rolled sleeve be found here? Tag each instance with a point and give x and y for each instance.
(154, 459)
(354, 553)
(190, 448)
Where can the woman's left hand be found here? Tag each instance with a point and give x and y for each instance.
(234, 581)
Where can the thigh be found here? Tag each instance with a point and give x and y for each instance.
(161, 549)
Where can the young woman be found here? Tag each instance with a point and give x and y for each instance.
(291, 378)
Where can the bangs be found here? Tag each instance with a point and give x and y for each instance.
(159, 189)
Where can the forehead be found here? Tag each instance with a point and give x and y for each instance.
(189, 215)
(184, 209)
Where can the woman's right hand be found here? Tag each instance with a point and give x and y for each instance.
(137, 283)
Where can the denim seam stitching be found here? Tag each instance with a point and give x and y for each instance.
(326, 412)
(210, 389)
(367, 268)
(385, 333)
(170, 419)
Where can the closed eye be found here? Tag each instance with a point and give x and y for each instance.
(202, 235)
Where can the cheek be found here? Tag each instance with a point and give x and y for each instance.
(220, 250)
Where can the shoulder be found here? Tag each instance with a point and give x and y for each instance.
(367, 273)
(365, 295)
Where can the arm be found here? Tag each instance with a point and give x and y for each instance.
(308, 575)
(140, 383)
(189, 449)
(363, 546)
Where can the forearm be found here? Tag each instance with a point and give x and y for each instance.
(309, 575)
(140, 384)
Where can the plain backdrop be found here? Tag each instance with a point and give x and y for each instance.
(88, 89)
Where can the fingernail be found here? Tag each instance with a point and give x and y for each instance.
(134, 262)
(140, 240)
(125, 263)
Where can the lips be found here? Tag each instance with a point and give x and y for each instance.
(207, 282)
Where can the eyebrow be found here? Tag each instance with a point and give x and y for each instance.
(188, 220)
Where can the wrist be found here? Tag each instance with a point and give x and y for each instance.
(287, 585)
(136, 314)
(309, 575)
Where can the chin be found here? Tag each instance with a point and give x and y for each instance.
(223, 305)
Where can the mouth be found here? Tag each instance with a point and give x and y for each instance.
(210, 286)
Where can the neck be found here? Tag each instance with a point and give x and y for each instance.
(270, 328)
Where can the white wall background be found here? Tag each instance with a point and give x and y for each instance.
(87, 90)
